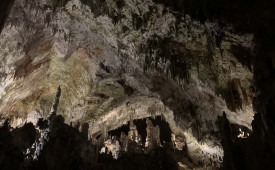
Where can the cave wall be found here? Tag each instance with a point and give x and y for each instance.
(188, 61)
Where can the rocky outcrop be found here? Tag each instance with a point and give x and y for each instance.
(66, 146)
(63, 144)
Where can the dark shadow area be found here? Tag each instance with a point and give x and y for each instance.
(141, 128)
(5, 7)
(66, 148)
(117, 132)
(157, 159)
(24, 137)
(164, 128)
(11, 155)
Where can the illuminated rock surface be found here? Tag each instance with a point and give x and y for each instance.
(139, 80)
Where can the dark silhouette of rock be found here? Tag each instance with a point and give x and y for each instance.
(24, 137)
(11, 158)
(66, 148)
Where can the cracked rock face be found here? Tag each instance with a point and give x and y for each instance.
(126, 59)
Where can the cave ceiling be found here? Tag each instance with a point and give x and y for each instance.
(127, 74)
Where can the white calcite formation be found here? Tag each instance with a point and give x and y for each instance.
(99, 65)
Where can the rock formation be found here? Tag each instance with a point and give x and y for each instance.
(173, 84)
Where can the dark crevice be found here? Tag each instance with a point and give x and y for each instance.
(127, 89)
(117, 132)
(244, 55)
(141, 128)
(165, 131)
(5, 7)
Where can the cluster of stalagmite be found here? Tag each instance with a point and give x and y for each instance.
(152, 139)
(132, 142)
(133, 133)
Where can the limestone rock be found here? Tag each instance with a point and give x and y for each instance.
(114, 60)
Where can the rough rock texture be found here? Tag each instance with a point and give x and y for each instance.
(119, 59)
